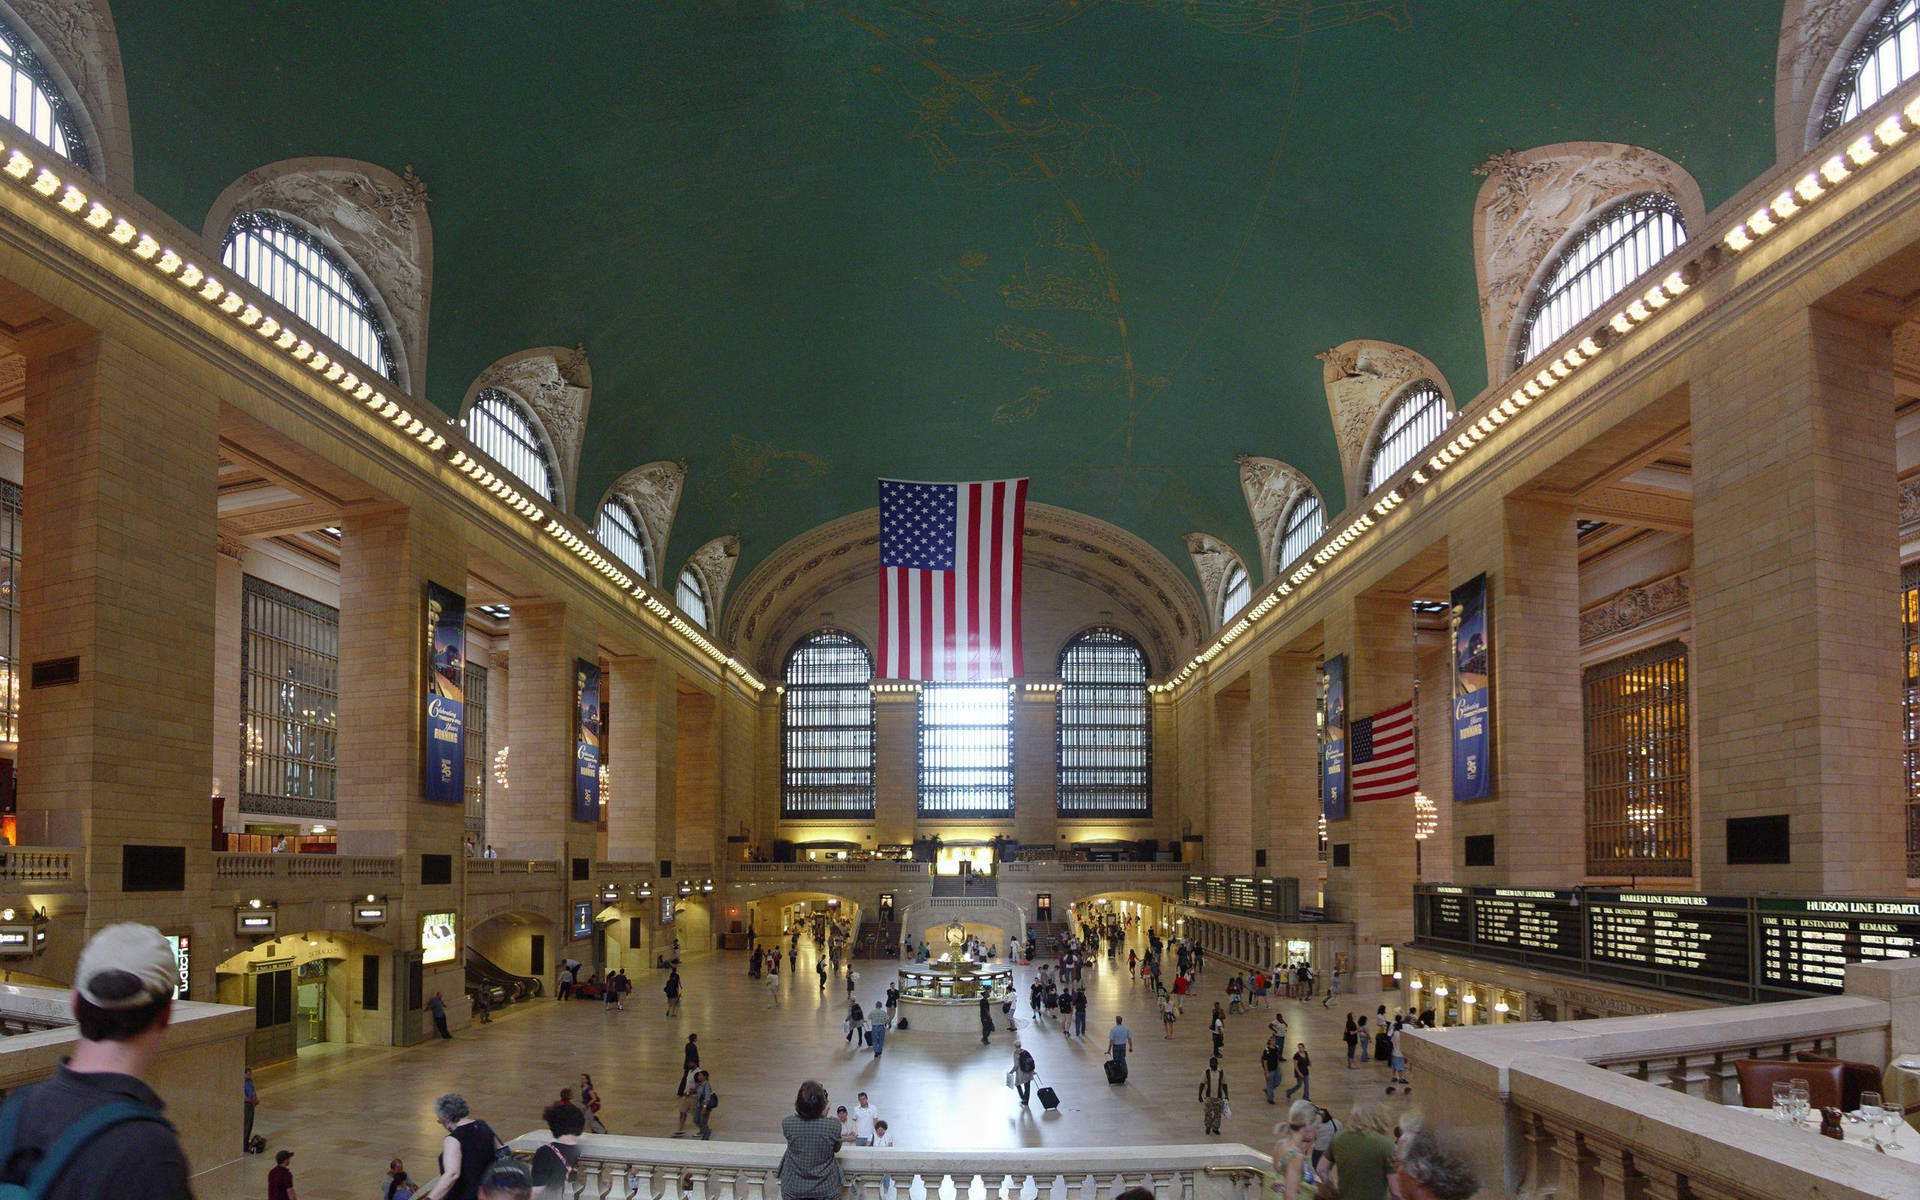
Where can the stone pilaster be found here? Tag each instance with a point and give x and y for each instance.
(1036, 803)
(1230, 783)
(696, 779)
(1286, 762)
(640, 736)
(534, 818)
(896, 771)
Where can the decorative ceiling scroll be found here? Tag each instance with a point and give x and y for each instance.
(1361, 377)
(653, 490)
(376, 220)
(714, 563)
(1816, 39)
(556, 385)
(1270, 487)
(77, 44)
(1211, 558)
(1533, 199)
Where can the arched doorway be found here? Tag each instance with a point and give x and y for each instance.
(320, 987)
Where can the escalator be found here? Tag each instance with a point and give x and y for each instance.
(501, 986)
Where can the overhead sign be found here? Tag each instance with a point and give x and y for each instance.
(445, 754)
(255, 921)
(16, 940)
(438, 941)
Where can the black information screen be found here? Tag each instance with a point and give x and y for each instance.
(1447, 916)
(1805, 945)
(1703, 936)
(1521, 920)
(1243, 894)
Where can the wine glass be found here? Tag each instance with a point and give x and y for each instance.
(1782, 1100)
(1870, 1114)
(1894, 1116)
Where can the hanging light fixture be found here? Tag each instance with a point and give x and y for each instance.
(1426, 818)
(500, 767)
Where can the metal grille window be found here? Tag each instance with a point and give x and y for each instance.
(1888, 56)
(9, 612)
(474, 748)
(966, 749)
(1103, 728)
(289, 701)
(1235, 590)
(691, 595)
(1620, 245)
(1639, 810)
(501, 428)
(291, 265)
(1417, 418)
(1306, 520)
(30, 99)
(827, 728)
(1910, 707)
(620, 531)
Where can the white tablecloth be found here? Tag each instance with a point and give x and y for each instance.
(1905, 1146)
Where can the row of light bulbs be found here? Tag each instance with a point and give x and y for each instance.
(226, 299)
(1812, 187)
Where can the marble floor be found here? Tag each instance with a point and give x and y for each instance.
(344, 1110)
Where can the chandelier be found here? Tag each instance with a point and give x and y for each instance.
(1426, 818)
(500, 767)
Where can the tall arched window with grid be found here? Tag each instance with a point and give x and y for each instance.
(622, 532)
(1235, 590)
(299, 272)
(691, 595)
(31, 100)
(1414, 420)
(1888, 56)
(827, 728)
(1617, 246)
(1103, 728)
(1305, 521)
(500, 426)
(966, 749)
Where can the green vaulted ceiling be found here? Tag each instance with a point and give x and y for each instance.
(1097, 242)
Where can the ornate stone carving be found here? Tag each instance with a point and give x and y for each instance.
(1361, 377)
(1533, 199)
(232, 547)
(556, 385)
(714, 563)
(1909, 502)
(377, 220)
(1270, 487)
(1631, 608)
(654, 491)
(1211, 557)
(77, 43)
(1814, 36)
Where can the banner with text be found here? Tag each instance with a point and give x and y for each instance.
(1333, 743)
(1472, 692)
(586, 747)
(444, 780)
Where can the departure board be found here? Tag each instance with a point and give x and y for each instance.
(1526, 920)
(1681, 934)
(1243, 893)
(1805, 945)
(1447, 915)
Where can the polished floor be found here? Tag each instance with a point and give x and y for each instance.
(345, 1110)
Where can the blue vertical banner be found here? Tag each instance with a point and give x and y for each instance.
(445, 771)
(1333, 743)
(586, 746)
(1472, 692)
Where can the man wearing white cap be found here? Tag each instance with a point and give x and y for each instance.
(96, 1125)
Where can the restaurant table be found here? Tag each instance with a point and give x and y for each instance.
(1901, 1083)
(1905, 1146)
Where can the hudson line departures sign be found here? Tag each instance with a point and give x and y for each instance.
(444, 780)
(586, 749)
(1472, 692)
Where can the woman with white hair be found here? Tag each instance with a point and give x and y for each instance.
(1293, 1152)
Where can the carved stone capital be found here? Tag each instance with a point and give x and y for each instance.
(1631, 608)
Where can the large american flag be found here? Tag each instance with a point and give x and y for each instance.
(950, 579)
(1384, 766)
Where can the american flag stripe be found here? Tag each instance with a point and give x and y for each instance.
(1385, 764)
(950, 579)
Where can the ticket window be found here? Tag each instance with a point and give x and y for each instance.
(964, 860)
(1298, 950)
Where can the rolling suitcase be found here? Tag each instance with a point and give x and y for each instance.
(1116, 1071)
(1049, 1099)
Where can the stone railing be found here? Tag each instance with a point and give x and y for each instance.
(635, 1168)
(227, 865)
(1632, 1106)
(513, 866)
(881, 868)
(28, 865)
(609, 869)
(1172, 870)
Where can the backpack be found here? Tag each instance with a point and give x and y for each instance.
(75, 1138)
(1026, 1063)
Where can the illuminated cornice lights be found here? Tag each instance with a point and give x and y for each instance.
(224, 298)
(1816, 184)
(892, 688)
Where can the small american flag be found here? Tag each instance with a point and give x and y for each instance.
(1384, 763)
(950, 579)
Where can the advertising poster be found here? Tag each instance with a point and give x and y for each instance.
(1333, 743)
(437, 940)
(445, 768)
(1472, 692)
(582, 919)
(586, 750)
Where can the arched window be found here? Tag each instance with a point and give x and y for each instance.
(502, 429)
(31, 100)
(1235, 590)
(827, 728)
(1888, 56)
(621, 531)
(691, 595)
(1416, 419)
(297, 271)
(1617, 247)
(1305, 521)
(1103, 728)
(966, 749)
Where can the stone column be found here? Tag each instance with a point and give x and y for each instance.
(1536, 814)
(117, 585)
(1375, 889)
(226, 677)
(1036, 803)
(1284, 696)
(696, 779)
(1230, 783)
(534, 817)
(896, 766)
(1796, 651)
(640, 736)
